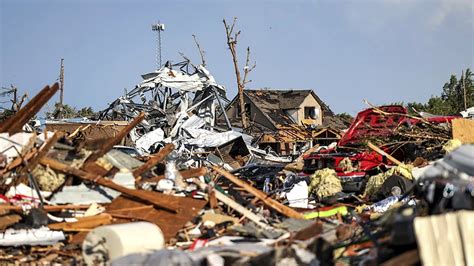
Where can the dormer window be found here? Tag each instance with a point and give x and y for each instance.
(310, 112)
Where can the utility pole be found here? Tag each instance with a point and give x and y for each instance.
(464, 90)
(61, 83)
(158, 27)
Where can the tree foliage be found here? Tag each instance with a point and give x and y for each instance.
(67, 111)
(451, 100)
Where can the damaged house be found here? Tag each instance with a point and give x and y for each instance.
(284, 120)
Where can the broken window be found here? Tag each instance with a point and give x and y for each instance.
(310, 112)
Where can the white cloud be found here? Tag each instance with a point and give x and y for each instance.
(447, 8)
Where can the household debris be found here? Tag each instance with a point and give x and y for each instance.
(158, 179)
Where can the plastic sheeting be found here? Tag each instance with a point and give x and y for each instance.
(206, 138)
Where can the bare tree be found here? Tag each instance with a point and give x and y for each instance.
(232, 42)
(201, 51)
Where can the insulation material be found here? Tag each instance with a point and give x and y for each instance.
(451, 145)
(102, 162)
(346, 165)
(48, 179)
(325, 183)
(375, 182)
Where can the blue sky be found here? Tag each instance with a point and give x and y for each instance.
(380, 50)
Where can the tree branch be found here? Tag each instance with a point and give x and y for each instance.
(201, 52)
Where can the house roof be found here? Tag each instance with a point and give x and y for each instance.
(273, 103)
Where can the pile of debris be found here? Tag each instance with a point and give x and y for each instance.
(187, 192)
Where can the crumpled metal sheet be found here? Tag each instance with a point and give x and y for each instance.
(180, 80)
(146, 141)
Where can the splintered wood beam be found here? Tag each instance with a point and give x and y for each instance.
(152, 198)
(47, 208)
(186, 174)
(160, 156)
(43, 151)
(115, 140)
(83, 223)
(8, 123)
(237, 207)
(18, 161)
(277, 206)
(383, 153)
(31, 110)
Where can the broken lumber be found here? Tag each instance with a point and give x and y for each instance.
(186, 174)
(153, 160)
(115, 140)
(236, 206)
(151, 198)
(277, 206)
(15, 123)
(42, 152)
(383, 153)
(47, 208)
(83, 223)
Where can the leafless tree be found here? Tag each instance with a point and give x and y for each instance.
(201, 51)
(232, 43)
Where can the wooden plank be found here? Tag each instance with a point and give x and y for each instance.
(236, 206)
(169, 223)
(186, 174)
(115, 140)
(47, 208)
(83, 223)
(383, 153)
(18, 161)
(463, 130)
(277, 206)
(8, 220)
(153, 160)
(410, 257)
(157, 199)
(10, 121)
(31, 110)
(43, 151)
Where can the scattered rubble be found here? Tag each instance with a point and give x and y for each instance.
(157, 179)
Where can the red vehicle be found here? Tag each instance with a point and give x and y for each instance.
(373, 122)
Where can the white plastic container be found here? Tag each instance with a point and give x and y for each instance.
(107, 243)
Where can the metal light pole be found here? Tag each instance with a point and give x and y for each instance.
(159, 27)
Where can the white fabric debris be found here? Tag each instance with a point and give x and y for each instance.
(206, 138)
(298, 195)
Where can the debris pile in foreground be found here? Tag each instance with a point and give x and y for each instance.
(396, 188)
